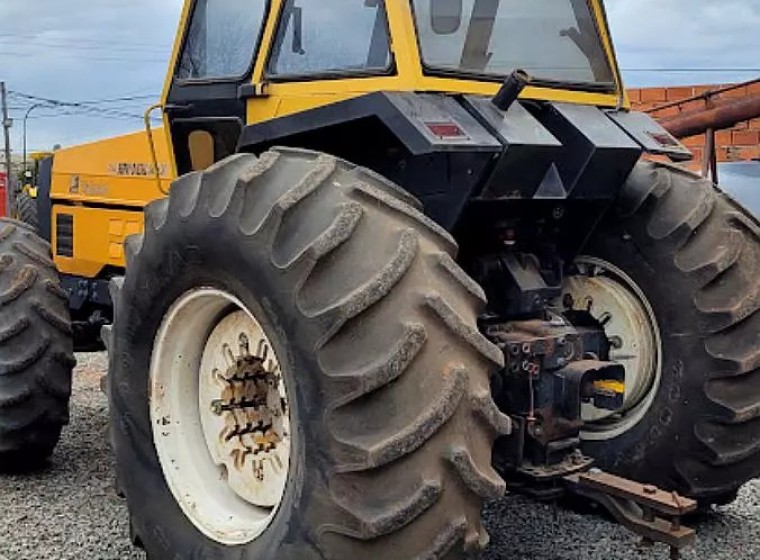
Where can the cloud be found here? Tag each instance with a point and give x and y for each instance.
(82, 50)
(87, 50)
(686, 34)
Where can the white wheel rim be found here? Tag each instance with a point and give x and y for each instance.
(220, 415)
(615, 300)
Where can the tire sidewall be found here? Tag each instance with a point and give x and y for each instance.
(668, 425)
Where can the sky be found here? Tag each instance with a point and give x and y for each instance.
(93, 50)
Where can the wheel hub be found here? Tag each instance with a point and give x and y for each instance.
(614, 300)
(244, 411)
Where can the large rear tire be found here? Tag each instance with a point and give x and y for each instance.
(695, 256)
(374, 329)
(36, 357)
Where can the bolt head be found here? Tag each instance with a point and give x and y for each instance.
(649, 489)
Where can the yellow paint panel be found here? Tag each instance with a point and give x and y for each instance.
(98, 238)
(116, 171)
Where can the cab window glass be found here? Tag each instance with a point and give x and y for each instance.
(331, 36)
(222, 39)
(553, 40)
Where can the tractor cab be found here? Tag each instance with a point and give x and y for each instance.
(247, 62)
(35, 171)
(416, 78)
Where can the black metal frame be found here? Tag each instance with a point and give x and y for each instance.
(44, 200)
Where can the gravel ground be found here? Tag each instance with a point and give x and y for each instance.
(70, 510)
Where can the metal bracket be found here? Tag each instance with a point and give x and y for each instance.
(644, 509)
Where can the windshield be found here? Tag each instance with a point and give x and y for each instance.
(553, 40)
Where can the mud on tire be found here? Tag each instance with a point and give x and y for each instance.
(387, 372)
(696, 255)
(36, 357)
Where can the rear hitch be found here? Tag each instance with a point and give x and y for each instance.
(557, 367)
(648, 511)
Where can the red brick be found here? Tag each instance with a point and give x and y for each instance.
(646, 107)
(754, 124)
(694, 141)
(746, 138)
(698, 153)
(679, 93)
(742, 126)
(634, 95)
(723, 138)
(654, 95)
(739, 153)
(723, 155)
(746, 153)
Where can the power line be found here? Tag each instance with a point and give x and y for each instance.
(38, 98)
(89, 115)
(97, 43)
(81, 107)
(691, 70)
(85, 57)
(73, 46)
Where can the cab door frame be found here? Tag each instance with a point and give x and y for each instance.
(212, 105)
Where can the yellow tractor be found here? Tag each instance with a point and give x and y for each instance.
(25, 208)
(413, 257)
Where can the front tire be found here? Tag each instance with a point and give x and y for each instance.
(26, 209)
(36, 358)
(695, 255)
(374, 326)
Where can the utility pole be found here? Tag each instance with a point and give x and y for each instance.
(7, 124)
(26, 118)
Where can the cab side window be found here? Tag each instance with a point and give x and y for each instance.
(222, 39)
(331, 37)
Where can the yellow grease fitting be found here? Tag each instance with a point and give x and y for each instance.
(608, 385)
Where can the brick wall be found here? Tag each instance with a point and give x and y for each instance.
(738, 144)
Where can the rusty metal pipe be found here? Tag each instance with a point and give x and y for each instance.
(720, 118)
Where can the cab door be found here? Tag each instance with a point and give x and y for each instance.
(203, 106)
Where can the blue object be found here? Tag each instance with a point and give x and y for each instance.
(741, 180)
